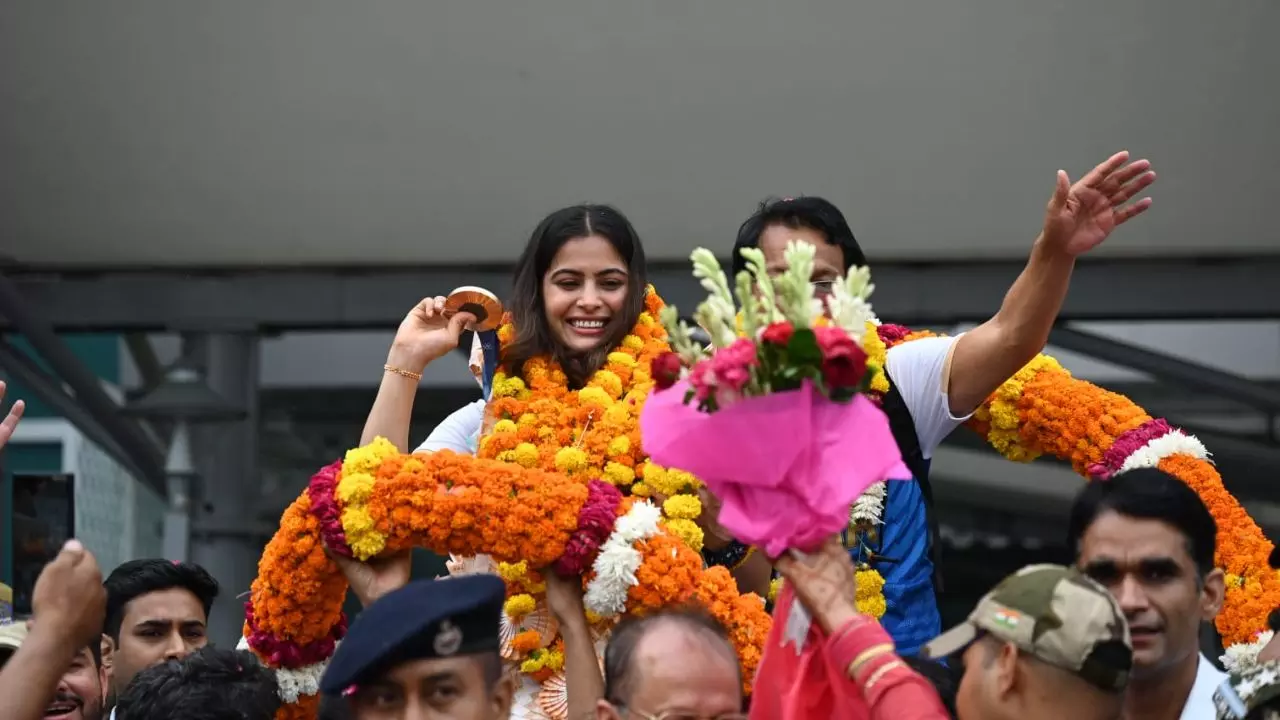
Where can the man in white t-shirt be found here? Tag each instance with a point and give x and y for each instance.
(1149, 539)
(936, 383)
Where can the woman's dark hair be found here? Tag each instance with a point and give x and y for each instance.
(619, 654)
(533, 334)
(143, 577)
(812, 213)
(1148, 494)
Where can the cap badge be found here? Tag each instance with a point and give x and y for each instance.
(448, 639)
(1007, 619)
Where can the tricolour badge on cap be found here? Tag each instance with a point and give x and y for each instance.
(1006, 618)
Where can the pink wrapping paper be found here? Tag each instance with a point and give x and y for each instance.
(785, 466)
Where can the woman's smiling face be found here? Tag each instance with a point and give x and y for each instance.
(583, 291)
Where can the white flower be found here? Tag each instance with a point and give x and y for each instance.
(1244, 656)
(868, 509)
(1174, 442)
(639, 523)
(293, 684)
(616, 565)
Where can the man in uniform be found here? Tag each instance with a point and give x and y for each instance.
(428, 649)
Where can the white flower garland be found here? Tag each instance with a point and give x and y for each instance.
(1244, 656)
(294, 684)
(616, 565)
(1174, 442)
(868, 509)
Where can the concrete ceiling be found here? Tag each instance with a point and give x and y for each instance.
(326, 132)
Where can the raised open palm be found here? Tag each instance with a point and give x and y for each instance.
(1079, 217)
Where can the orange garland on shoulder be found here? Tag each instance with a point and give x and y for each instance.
(1042, 409)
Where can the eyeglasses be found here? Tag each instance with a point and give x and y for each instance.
(677, 715)
(823, 287)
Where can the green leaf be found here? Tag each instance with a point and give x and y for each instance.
(803, 348)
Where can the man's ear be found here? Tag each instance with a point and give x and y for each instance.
(108, 650)
(1213, 594)
(606, 711)
(503, 695)
(1006, 669)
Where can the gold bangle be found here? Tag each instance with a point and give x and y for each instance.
(403, 373)
(879, 674)
(867, 655)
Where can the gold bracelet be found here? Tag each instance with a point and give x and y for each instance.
(866, 656)
(879, 674)
(403, 373)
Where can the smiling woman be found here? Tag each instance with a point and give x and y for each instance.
(579, 288)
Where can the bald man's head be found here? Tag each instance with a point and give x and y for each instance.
(673, 661)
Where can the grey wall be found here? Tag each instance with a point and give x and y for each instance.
(327, 131)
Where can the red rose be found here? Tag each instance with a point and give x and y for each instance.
(844, 363)
(666, 370)
(778, 333)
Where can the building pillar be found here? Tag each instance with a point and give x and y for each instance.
(223, 539)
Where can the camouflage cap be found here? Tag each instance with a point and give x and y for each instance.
(1250, 693)
(1055, 614)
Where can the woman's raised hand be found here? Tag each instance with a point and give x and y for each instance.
(426, 334)
(564, 599)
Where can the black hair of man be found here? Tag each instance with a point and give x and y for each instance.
(805, 212)
(142, 577)
(1148, 494)
(619, 677)
(945, 679)
(209, 684)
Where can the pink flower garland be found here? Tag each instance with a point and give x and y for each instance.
(287, 654)
(891, 334)
(324, 505)
(595, 524)
(1127, 444)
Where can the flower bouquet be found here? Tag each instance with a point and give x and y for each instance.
(773, 417)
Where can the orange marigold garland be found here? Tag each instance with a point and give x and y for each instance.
(537, 488)
(1042, 409)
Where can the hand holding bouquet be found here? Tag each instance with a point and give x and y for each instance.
(773, 417)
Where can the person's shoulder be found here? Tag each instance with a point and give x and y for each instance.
(1200, 702)
(455, 432)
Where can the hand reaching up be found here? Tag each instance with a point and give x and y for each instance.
(427, 333)
(69, 597)
(825, 582)
(1080, 216)
(564, 599)
(10, 422)
(376, 577)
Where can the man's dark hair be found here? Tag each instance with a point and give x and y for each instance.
(812, 213)
(141, 577)
(209, 684)
(945, 679)
(619, 680)
(1148, 494)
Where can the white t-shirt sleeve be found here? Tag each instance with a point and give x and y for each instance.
(458, 432)
(916, 369)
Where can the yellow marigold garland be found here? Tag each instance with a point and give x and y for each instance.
(537, 421)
